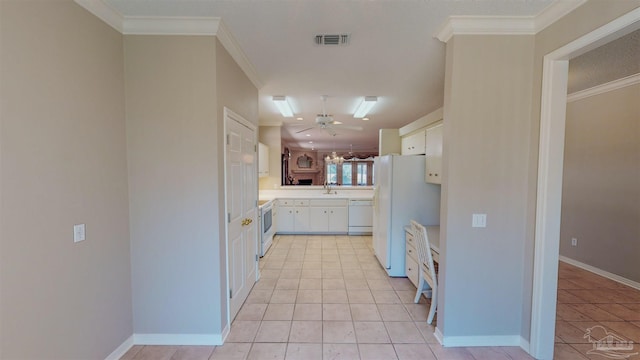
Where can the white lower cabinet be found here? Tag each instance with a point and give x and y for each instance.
(411, 258)
(320, 218)
(329, 216)
(301, 216)
(339, 219)
(285, 219)
(293, 216)
(313, 216)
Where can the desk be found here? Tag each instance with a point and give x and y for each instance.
(433, 232)
(411, 256)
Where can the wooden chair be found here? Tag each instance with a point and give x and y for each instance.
(427, 283)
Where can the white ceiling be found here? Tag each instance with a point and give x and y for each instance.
(392, 54)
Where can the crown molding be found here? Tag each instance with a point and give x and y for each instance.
(233, 47)
(486, 25)
(603, 88)
(170, 25)
(554, 12)
(104, 12)
(506, 25)
(174, 25)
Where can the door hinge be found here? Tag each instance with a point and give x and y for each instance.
(227, 139)
(256, 257)
(255, 148)
(228, 217)
(230, 293)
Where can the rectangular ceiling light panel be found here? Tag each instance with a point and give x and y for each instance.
(283, 106)
(365, 106)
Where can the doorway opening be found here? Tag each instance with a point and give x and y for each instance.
(550, 166)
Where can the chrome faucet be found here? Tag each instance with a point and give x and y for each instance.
(327, 187)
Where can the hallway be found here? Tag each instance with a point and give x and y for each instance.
(327, 297)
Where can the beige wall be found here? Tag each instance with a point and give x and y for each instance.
(601, 185)
(486, 123)
(491, 128)
(270, 136)
(586, 18)
(172, 148)
(236, 92)
(63, 162)
(177, 88)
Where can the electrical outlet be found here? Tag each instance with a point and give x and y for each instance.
(574, 241)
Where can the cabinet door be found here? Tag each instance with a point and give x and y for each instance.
(301, 219)
(318, 219)
(286, 218)
(433, 170)
(414, 144)
(338, 219)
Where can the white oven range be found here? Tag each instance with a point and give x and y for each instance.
(266, 225)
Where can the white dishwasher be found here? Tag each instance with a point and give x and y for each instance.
(360, 217)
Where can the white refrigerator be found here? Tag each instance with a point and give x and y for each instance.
(400, 194)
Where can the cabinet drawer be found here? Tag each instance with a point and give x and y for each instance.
(285, 202)
(412, 253)
(304, 202)
(411, 268)
(410, 240)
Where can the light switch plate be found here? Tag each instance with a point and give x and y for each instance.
(479, 220)
(78, 232)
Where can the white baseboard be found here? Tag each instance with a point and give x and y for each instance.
(464, 341)
(524, 344)
(225, 333)
(595, 270)
(438, 335)
(121, 350)
(168, 339)
(177, 339)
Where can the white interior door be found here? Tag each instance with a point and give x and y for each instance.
(242, 212)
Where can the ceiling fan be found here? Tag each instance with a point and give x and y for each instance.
(326, 122)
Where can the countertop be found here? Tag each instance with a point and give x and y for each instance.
(317, 193)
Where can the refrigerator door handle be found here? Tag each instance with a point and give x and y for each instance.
(375, 197)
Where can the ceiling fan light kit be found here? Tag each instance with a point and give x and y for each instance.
(326, 122)
(365, 106)
(283, 105)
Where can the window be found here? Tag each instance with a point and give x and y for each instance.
(347, 174)
(350, 173)
(332, 174)
(361, 174)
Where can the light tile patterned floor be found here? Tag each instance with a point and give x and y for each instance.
(327, 297)
(586, 300)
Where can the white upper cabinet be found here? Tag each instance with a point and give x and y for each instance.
(263, 160)
(433, 170)
(414, 144)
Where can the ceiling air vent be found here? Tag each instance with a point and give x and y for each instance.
(332, 39)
